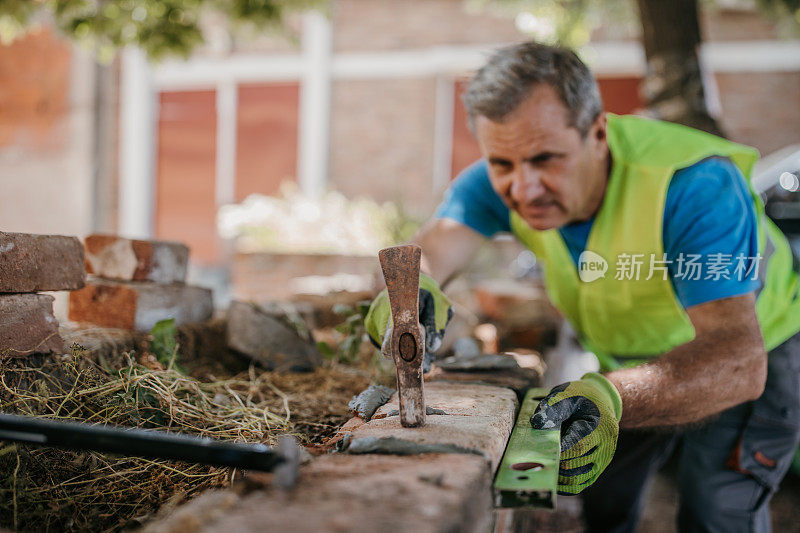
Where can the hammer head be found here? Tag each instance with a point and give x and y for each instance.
(406, 341)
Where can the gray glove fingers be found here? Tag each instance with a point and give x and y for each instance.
(545, 416)
(426, 362)
(433, 342)
(575, 431)
(427, 317)
(386, 349)
(577, 416)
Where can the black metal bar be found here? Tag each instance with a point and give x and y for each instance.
(138, 442)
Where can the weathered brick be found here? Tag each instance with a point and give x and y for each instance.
(113, 257)
(518, 379)
(138, 305)
(261, 334)
(478, 420)
(528, 371)
(32, 263)
(27, 325)
(428, 493)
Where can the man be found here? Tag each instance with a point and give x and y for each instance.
(653, 201)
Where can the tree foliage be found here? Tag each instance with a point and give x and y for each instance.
(561, 22)
(570, 22)
(160, 27)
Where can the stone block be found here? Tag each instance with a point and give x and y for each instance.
(27, 325)
(267, 277)
(139, 305)
(262, 335)
(518, 379)
(488, 362)
(478, 420)
(423, 494)
(515, 304)
(113, 257)
(527, 371)
(33, 263)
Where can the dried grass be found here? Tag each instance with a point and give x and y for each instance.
(48, 489)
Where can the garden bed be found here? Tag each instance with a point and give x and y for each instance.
(114, 377)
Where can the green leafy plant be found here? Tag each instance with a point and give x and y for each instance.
(165, 342)
(353, 331)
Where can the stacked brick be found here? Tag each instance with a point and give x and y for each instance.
(135, 283)
(30, 264)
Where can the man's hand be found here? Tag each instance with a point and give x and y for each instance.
(588, 411)
(435, 312)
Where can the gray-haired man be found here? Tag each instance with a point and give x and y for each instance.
(676, 350)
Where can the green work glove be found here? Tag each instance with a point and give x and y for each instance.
(435, 312)
(589, 411)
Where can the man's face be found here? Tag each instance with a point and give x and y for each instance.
(540, 166)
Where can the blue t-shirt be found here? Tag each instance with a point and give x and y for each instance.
(709, 220)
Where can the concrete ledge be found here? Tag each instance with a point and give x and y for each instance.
(478, 420)
(426, 493)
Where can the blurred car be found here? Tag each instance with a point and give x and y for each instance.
(777, 178)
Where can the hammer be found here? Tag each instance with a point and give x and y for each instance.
(406, 342)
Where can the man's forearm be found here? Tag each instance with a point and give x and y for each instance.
(717, 370)
(447, 246)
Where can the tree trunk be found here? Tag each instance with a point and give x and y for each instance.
(673, 86)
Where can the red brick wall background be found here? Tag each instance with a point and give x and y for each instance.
(34, 90)
(185, 191)
(266, 137)
(48, 168)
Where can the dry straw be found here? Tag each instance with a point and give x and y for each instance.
(50, 489)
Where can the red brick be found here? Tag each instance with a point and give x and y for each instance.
(27, 325)
(138, 305)
(113, 257)
(32, 263)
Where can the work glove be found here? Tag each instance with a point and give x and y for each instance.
(588, 411)
(435, 312)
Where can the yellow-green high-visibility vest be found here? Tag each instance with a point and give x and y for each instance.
(631, 320)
